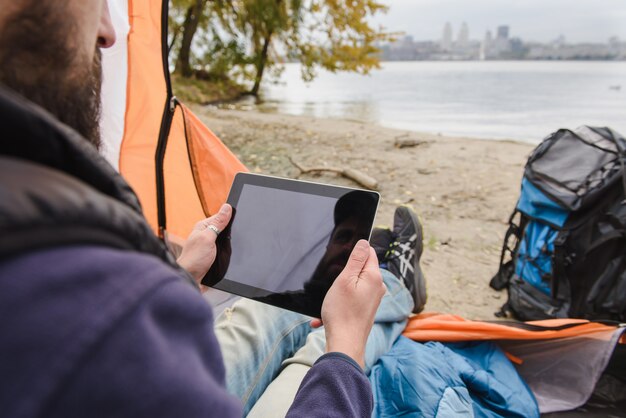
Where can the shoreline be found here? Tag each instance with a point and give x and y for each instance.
(238, 104)
(463, 189)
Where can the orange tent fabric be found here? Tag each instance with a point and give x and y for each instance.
(197, 169)
(453, 328)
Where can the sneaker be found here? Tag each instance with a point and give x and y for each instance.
(380, 241)
(404, 254)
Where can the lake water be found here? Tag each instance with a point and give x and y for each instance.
(523, 100)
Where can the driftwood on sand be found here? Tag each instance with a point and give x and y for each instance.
(403, 141)
(350, 173)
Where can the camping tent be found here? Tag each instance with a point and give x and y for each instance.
(179, 169)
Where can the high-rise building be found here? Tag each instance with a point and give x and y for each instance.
(488, 38)
(502, 44)
(446, 40)
(503, 32)
(406, 41)
(485, 46)
(463, 38)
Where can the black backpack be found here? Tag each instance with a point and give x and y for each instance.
(564, 253)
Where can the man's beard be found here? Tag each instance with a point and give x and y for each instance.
(39, 59)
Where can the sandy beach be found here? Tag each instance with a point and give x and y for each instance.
(463, 189)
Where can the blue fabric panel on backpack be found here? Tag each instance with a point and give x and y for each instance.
(534, 203)
(534, 260)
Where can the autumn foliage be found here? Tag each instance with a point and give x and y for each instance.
(245, 40)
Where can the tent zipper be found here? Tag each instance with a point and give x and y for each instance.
(166, 124)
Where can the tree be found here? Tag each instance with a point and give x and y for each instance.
(252, 37)
(195, 11)
(330, 34)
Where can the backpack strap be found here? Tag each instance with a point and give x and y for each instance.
(561, 259)
(610, 236)
(506, 269)
(621, 148)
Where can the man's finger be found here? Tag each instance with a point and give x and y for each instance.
(358, 258)
(316, 323)
(220, 219)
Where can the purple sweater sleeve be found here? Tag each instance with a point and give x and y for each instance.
(334, 387)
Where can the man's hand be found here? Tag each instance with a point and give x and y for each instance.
(350, 305)
(199, 250)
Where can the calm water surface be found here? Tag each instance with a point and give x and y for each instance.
(493, 99)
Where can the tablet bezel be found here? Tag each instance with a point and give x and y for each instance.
(300, 186)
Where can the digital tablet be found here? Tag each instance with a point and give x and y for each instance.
(288, 239)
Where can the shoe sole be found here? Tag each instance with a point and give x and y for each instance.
(420, 295)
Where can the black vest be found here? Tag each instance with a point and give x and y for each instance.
(55, 189)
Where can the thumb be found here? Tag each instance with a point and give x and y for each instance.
(358, 258)
(220, 219)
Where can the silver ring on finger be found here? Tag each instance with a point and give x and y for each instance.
(214, 229)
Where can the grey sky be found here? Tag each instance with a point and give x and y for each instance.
(539, 20)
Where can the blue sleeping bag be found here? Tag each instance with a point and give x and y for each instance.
(449, 380)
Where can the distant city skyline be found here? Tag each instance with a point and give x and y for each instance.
(533, 20)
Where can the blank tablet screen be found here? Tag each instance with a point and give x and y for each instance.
(288, 240)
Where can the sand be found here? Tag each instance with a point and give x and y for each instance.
(463, 189)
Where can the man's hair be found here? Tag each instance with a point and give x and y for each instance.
(39, 59)
(355, 204)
